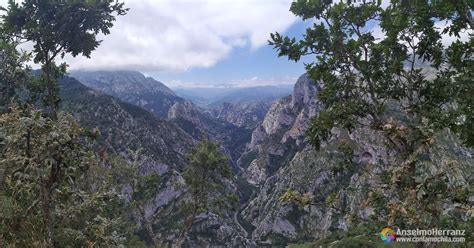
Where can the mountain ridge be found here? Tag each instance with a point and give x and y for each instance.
(132, 87)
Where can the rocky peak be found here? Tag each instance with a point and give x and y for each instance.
(304, 92)
(132, 87)
(121, 82)
(291, 115)
(281, 133)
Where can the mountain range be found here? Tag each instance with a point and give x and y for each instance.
(265, 142)
(216, 96)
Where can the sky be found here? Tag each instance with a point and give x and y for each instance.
(200, 43)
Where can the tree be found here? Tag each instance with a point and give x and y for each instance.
(144, 188)
(50, 186)
(57, 28)
(204, 176)
(52, 199)
(13, 71)
(407, 85)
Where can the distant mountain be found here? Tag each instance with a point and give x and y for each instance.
(242, 107)
(132, 87)
(212, 97)
(255, 94)
(202, 96)
(124, 126)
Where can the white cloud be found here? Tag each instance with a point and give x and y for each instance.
(176, 35)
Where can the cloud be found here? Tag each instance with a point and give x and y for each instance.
(177, 35)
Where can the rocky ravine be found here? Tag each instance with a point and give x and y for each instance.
(154, 145)
(278, 159)
(134, 88)
(270, 160)
(241, 114)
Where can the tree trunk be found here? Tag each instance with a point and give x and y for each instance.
(148, 227)
(47, 222)
(51, 91)
(185, 231)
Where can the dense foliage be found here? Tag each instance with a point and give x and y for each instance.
(49, 192)
(409, 84)
(13, 71)
(53, 187)
(204, 176)
(57, 28)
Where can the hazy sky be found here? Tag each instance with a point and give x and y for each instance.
(199, 42)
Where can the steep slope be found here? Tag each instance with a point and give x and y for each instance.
(132, 87)
(154, 145)
(342, 196)
(242, 114)
(125, 126)
(281, 134)
(341, 186)
(197, 122)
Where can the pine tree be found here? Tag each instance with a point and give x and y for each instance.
(204, 177)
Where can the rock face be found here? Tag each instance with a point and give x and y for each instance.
(187, 111)
(132, 87)
(241, 114)
(339, 198)
(338, 185)
(281, 134)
